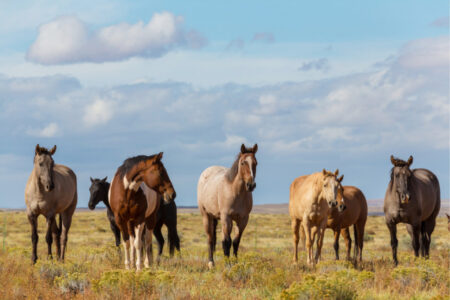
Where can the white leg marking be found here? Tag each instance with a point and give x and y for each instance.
(138, 245)
(126, 248)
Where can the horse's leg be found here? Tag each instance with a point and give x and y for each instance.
(359, 227)
(159, 237)
(227, 225)
(49, 236)
(138, 245)
(337, 233)
(321, 235)
(348, 241)
(208, 225)
(428, 230)
(132, 248)
(241, 224)
(295, 225)
(302, 236)
(314, 231)
(114, 228)
(56, 232)
(34, 235)
(66, 219)
(148, 236)
(394, 242)
(307, 230)
(414, 232)
(174, 240)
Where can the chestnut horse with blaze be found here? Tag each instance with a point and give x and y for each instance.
(134, 201)
(226, 194)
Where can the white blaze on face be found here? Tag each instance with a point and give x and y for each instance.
(250, 164)
(152, 198)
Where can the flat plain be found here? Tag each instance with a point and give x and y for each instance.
(264, 270)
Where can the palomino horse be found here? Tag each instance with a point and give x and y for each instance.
(167, 215)
(226, 194)
(134, 201)
(51, 189)
(99, 192)
(310, 200)
(412, 197)
(354, 213)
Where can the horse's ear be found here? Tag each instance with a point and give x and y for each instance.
(104, 179)
(242, 148)
(53, 150)
(341, 178)
(336, 173)
(255, 148)
(37, 150)
(92, 180)
(324, 172)
(410, 160)
(393, 160)
(159, 156)
(448, 217)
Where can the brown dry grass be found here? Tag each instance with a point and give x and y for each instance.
(93, 269)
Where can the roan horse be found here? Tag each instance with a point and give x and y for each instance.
(99, 192)
(412, 197)
(311, 198)
(51, 189)
(226, 194)
(167, 215)
(353, 213)
(134, 202)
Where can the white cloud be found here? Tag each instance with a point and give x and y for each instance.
(51, 130)
(266, 37)
(99, 112)
(441, 22)
(320, 64)
(68, 40)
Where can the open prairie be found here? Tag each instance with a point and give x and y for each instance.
(94, 269)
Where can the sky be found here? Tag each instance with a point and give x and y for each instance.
(317, 84)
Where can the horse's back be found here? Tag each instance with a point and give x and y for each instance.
(207, 189)
(300, 190)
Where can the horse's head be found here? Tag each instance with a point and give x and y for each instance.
(401, 177)
(448, 221)
(43, 164)
(156, 177)
(247, 166)
(330, 187)
(341, 206)
(98, 191)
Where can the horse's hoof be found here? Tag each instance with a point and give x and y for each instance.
(210, 265)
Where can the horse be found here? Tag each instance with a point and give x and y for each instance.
(412, 197)
(134, 201)
(51, 189)
(310, 200)
(226, 194)
(351, 211)
(99, 192)
(167, 215)
(448, 222)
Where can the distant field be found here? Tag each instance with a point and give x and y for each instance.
(264, 270)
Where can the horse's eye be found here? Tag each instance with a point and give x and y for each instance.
(41, 164)
(242, 163)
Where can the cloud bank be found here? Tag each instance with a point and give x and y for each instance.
(68, 40)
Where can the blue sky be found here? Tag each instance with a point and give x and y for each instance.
(319, 84)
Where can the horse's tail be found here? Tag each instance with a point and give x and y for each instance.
(60, 225)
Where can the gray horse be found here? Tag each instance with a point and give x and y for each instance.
(412, 197)
(51, 189)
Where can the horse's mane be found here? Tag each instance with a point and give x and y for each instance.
(397, 162)
(232, 172)
(129, 163)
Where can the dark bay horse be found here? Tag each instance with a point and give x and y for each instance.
(99, 192)
(352, 211)
(226, 194)
(51, 189)
(134, 201)
(412, 197)
(167, 215)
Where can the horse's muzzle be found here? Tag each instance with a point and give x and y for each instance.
(169, 197)
(404, 198)
(250, 186)
(342, 207)
(332, 204)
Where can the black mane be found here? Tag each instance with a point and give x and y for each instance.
(129, 163)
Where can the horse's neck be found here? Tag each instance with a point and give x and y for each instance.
(106, 200)
(237, 185)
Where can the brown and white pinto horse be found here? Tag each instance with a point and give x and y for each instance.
(134, 202)
(310, 200)
(226, 194)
